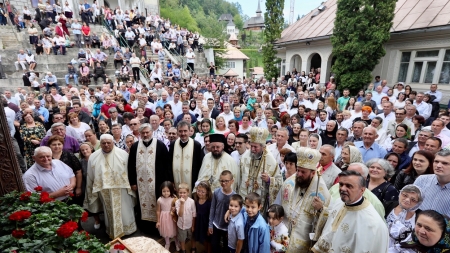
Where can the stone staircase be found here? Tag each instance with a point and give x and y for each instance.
(57, 64)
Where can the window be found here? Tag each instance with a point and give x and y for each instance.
(229, 65)
(433, 53)
(425, 66)
(404, 64)
(445, 71)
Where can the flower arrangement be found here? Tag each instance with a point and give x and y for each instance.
(34, 222)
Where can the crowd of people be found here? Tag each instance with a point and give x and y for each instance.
(131, 33)
(245, 165)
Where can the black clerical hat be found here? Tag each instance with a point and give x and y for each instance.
(217, 138)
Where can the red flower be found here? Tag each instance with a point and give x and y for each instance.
(38, 188)
(18, 233)
(71, 194)
(25, 196)
(20, 215)
(67, 229)
(84, 216)
(119, 246)
(83, 251)
(45, 197)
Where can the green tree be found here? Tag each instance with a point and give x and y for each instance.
(360, 30)
(274, 21)
(238, 22)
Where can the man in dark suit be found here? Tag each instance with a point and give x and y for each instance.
(115, 118)
(83, 116)
(214, 112)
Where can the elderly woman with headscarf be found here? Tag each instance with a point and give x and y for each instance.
(401, 218)
(349, 154)
(329, 135)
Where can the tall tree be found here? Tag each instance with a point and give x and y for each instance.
(360, 30)
(274, 21)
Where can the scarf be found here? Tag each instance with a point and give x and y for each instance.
(441, 246)
(313, 120)
(355, 156)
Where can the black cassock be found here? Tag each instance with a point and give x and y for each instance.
(196, 160)
(162, 173)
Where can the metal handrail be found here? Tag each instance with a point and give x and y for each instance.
(143, 73)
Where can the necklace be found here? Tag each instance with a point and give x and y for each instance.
(295, 209)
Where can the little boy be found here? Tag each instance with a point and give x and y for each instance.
(219, 206)
(257, 232)
(185, 207)
(236, 234)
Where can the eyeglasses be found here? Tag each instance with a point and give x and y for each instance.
(238, 143)
(224, 181)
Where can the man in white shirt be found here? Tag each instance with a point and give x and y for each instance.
(313, 102)
(282, 137)
(227, 114)
(241, 148)
(21, 59)
(433, 91)
(176, 105)
(10, 98)
(59, 43)
(437, 126)
(422, 107)
(378, 94)
(387, 114)
(190, 59)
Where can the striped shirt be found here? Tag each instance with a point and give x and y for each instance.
(437, 197)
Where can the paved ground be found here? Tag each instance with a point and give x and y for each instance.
(101, 234)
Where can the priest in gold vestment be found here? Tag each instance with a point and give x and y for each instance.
(108, 189)
(302, 196)
(259, 170)
(147, 170)
(352, 223)
(217, 161)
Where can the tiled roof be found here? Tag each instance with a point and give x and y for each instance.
(234, 53)
(230, 72)
(409, 15)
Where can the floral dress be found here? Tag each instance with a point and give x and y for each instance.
(31, 133)
(279, 238)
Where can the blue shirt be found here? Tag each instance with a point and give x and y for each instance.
(258, 237)
(161, 103)
(44, 112)
(76, 28)
(235, 230)
(126, 94)
(437, 197)
(375, 151)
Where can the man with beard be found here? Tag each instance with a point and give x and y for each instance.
(346, 228)
(146, 175)
(186, 157)
(259, 170)
(217, 161)
(301, 201)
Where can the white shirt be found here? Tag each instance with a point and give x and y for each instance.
(313, 105)
(437, 94)
(190, 57)
(59, 41)
(237, 157)
(424, 109)
(276, 154)
(386, 118)
(176, 108)
(227, 117)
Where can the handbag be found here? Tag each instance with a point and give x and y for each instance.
(87, 38)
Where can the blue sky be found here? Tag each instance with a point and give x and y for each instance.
(302, 7)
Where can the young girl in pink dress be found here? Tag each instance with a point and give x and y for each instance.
(166, 225)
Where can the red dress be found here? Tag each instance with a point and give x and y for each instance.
(64, 27)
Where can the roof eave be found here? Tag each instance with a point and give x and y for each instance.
(284, 43)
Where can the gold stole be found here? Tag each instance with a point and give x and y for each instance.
(182, 163)
(145, 170)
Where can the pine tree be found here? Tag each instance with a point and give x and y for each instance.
(360, 30)
(274, 21)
